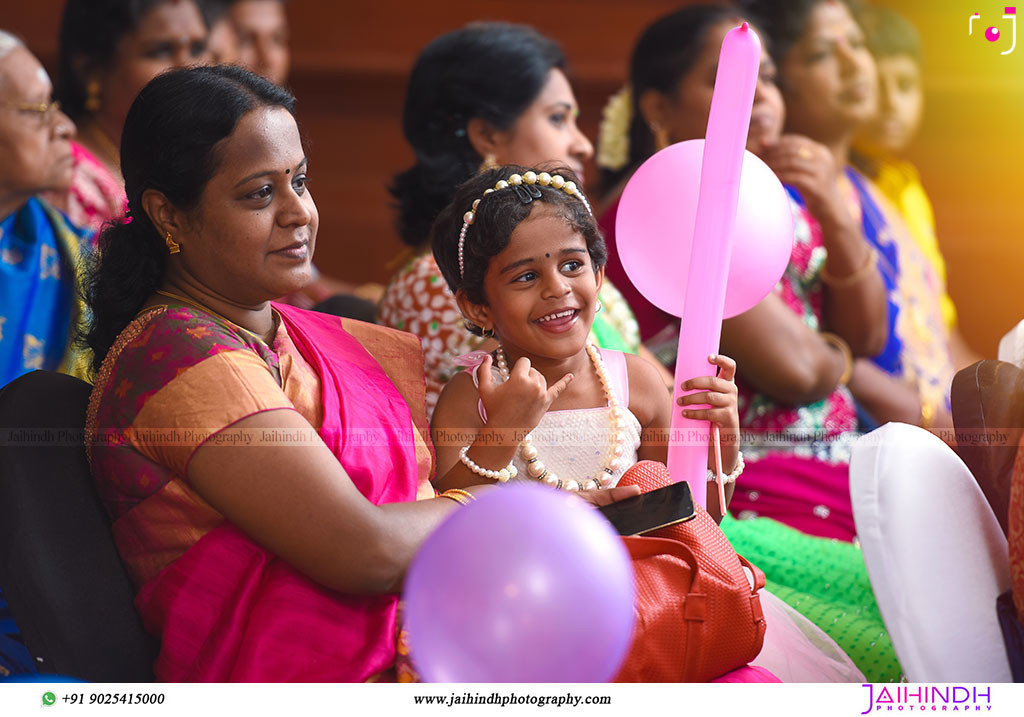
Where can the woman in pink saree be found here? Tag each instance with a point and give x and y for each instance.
(266, 468)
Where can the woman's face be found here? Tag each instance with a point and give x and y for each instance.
(222, 42)
(35, 151)
(262, 28)
(829, 79)
(252, 236)
(686, 111)
(546, 133)
(172, 34)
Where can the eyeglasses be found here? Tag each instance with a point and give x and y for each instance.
(45, 110)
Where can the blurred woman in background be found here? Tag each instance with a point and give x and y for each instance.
(109, 50)
(829, 81)
(486, 95)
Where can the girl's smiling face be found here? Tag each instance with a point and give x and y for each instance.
(541, 289)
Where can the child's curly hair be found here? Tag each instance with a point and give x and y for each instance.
(496, 218)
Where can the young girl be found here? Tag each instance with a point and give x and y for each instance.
(525, 263)
(523, 255)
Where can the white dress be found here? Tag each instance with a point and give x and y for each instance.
(574, 443)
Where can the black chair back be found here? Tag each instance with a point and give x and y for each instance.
(62, 575)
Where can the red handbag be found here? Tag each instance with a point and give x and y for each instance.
(697, 615)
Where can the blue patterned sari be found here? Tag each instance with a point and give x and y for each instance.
(39, 303)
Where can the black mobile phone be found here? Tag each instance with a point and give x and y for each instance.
(650, 511)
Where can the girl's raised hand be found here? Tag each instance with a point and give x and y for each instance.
(520, 402)
(719, 393)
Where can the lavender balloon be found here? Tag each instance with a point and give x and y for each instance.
(527, 584)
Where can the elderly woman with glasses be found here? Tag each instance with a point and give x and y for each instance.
(39, 250)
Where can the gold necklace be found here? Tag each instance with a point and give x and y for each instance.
(210, 311)
(613, 459)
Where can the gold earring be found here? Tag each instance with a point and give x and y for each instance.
(660, 137)
(173, 247)
(92, 96)
(489, 163)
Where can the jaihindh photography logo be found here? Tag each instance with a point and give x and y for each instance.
(908, 698)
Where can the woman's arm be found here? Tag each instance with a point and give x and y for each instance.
(887, 398)
(855, 300)
(296, 500)
(780, 355)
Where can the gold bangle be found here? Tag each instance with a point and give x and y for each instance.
(462, 497)
(844, 348)
(841, 282)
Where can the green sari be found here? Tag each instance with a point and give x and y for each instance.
(841, 604)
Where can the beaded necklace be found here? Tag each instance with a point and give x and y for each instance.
(536, 469)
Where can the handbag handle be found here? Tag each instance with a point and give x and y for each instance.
(716, 440)
(759, 578)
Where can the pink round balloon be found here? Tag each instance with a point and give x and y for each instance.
(526, 584)
(654, 229)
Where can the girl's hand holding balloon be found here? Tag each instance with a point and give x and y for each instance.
(720, 395)
(520, 402)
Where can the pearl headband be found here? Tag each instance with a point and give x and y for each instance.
(525, 187)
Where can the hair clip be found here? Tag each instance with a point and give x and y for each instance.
(526, 190)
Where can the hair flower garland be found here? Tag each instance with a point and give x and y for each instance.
(613, 134)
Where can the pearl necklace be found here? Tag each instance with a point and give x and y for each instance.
(536, 469)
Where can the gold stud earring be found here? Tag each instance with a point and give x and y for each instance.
(660, 137)
(173, 247)
(92, 96)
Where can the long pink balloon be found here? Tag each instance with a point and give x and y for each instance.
(701, 325)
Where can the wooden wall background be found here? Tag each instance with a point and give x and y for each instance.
(350, 61)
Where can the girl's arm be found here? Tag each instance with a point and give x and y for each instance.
(654, 412)
(513, 409)
(719, 392)
(456, 423)
(666, 375)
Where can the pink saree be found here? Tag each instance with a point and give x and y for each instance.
(229, 610)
